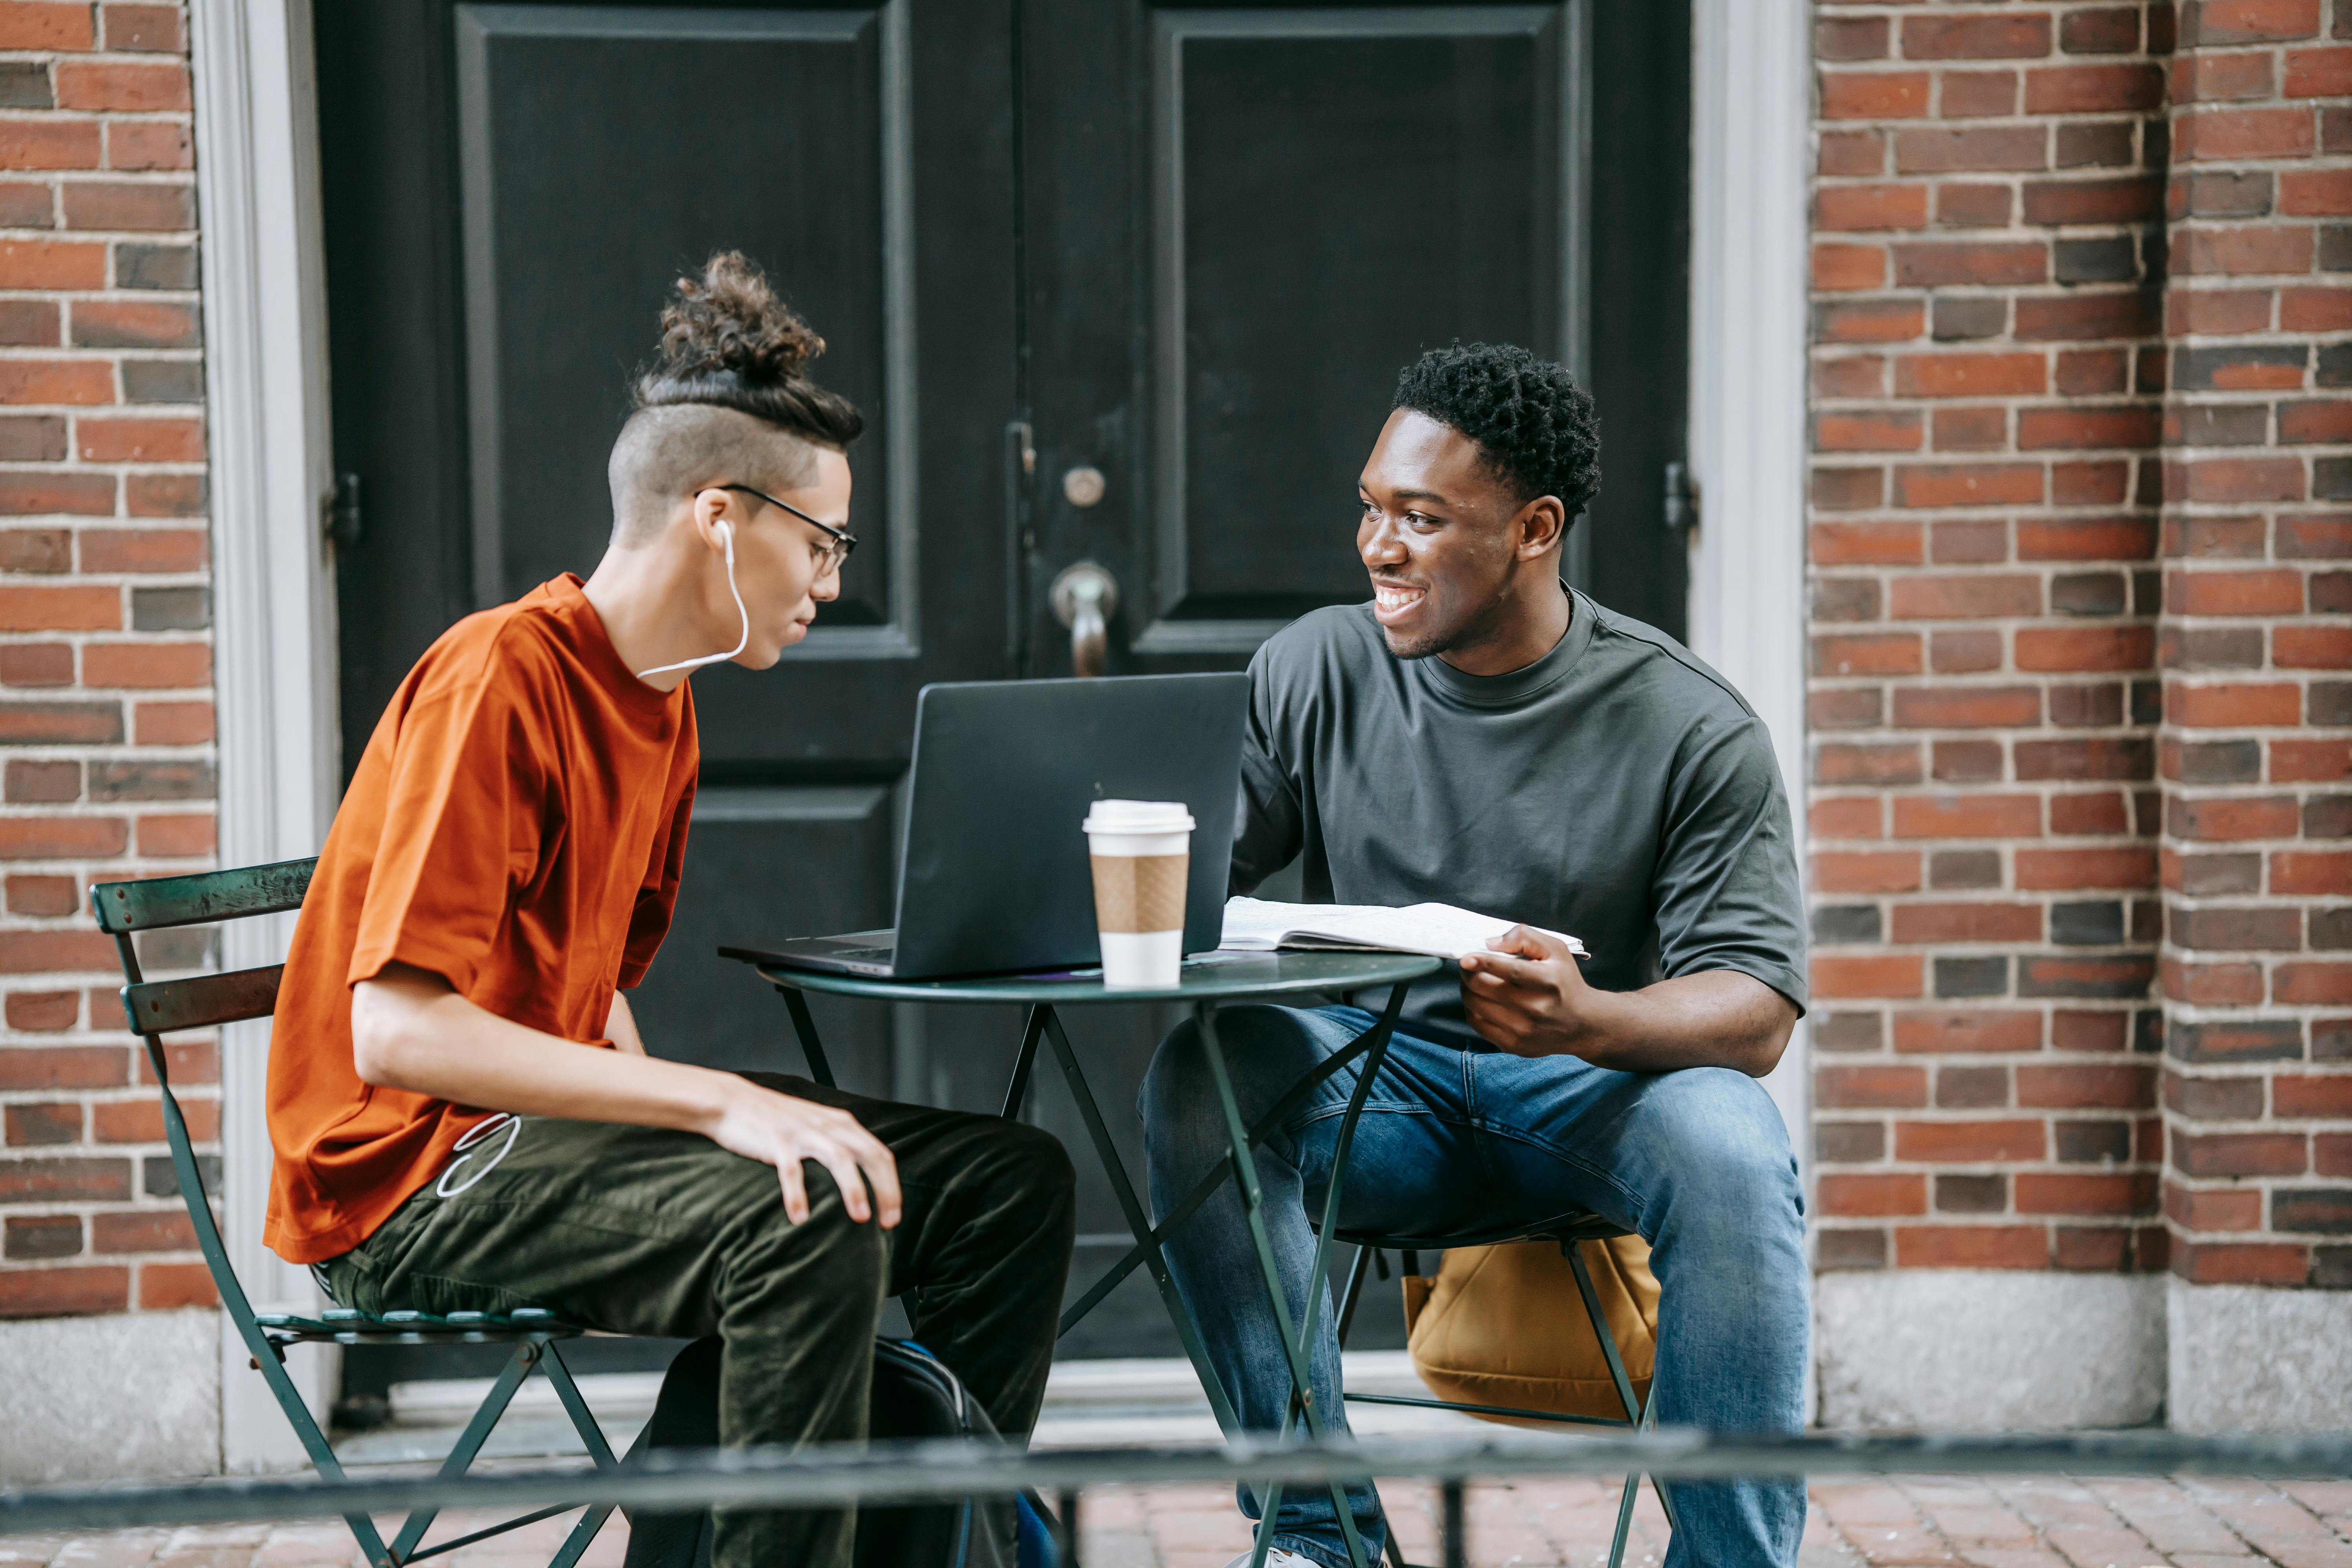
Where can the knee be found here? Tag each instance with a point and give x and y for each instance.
(1033, 1167)
(1723, 1134)
(1264, 1049)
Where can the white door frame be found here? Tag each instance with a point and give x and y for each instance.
(274, 588)
(1752, 135)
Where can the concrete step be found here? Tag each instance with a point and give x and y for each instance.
(1088, 1404)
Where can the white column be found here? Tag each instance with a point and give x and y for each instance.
(274, 650)
(1751, 136)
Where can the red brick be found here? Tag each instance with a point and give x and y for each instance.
(1855, 975)
(2066, 870)
(2243, 1263)
(1967, 817)
(1964, 652)
(1869, 321)
(2243, 251)
(1849, 266)
(2252, 22)
(1967, 707)
(143, 550)
(160, 29)
(133, 324)
(1974, 1142)
(1848, 489)
(57, 838)
(48, 143)
(138, 86)
(2210, 1211)
(146, 664)
(2311, 984)
(2325, 72)
(132, 206)
(1849, 375)
(1954, 596)
(2310, 1095)
(2043, 428)
(141, 1121)
(43, 896)
(1978, 95)
(2312, 647)
(163, 1287)
(2310, 761)
(2085, 647)
(148, 144)
(2085, 1192)
(2132, 198)
(56, 381)
(1866, 543)
(63, 1292)
(1966, 922)
(143, 1230)
(1976, 37)
(1892, 431)
(42, 1012)
(1970, 374)
(1844, 817)
(2303, 872)
(2238, 1153)
(2220, 79)
(33, 494)
(1972, 149)
(177, 834)
(140, 441)
(1937, 264)
(1972, 1247)
(2089, 484)
(2093, 89)
(2213, 984)
(2085, 539)
(1967, 1030)
(31, 1067)
(2315, 193)
(171, 724)
(1901, 1088)
(1864, 207)
(2108, 1085)
(1858, 1196)
(1881, 653)
(2102, 815)
(1851, 152)
(45, 25)
(2315, 538)
(2233, 707)
(164, 495)
(1968, 484)
(1850, 707)
(2211, 312)
(2315, 423)
(1874, 95)
(1969, 430)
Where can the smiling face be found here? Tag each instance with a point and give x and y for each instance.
(777, 556)
(1446, 541)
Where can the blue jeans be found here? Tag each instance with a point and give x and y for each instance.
(1455, 1142)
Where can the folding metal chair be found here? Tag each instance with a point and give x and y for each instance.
(1566, 1229)
(156, 1008)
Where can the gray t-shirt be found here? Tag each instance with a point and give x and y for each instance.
(1616, 789)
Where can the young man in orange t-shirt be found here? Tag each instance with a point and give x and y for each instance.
(464, 1114)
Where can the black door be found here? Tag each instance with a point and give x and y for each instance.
(1187, 249)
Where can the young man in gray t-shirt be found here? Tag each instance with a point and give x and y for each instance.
(1481, 735)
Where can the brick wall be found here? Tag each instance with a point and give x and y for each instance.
(1987, 366)
(106, 714)
(2255, 648)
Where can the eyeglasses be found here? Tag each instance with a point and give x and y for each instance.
(839, 541)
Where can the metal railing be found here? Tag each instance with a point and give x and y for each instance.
(915, 1472)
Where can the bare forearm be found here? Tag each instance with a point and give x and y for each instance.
(1719, 1018)
(429, 1040)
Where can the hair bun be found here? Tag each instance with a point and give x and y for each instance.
(729, 320)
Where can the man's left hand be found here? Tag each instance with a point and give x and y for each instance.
(1527, 996)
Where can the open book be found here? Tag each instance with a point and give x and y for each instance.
(1258, 925)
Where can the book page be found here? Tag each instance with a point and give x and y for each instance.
(1441, 930)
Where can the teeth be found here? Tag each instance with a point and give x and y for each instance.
(1396, 598)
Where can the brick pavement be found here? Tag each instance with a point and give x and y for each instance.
(1982, 1522)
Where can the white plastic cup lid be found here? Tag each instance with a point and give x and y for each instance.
(1139, 816)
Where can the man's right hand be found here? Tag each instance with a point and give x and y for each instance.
(777, 1129)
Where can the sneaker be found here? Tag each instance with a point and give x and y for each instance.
(1278, 1558)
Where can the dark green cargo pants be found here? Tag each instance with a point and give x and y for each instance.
(641, 1231)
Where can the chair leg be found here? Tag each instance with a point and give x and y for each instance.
(478, 1432)
(1355, 1288)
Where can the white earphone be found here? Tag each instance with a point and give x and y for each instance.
(725, 532)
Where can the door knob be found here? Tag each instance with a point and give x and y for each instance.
(1084, 487)
(1083, 597)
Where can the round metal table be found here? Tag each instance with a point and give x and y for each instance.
(1204, 981)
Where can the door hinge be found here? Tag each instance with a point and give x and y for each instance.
(1682, 499)
(343, 521)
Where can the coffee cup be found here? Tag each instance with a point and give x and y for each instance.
(1141, 851)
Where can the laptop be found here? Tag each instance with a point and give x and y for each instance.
(995, 878)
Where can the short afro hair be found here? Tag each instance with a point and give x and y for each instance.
(1536, 427)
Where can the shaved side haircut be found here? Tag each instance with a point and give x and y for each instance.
(728, 400)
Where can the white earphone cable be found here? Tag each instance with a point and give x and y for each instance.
(726, 539)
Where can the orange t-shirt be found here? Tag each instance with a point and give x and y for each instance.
(517, 825)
